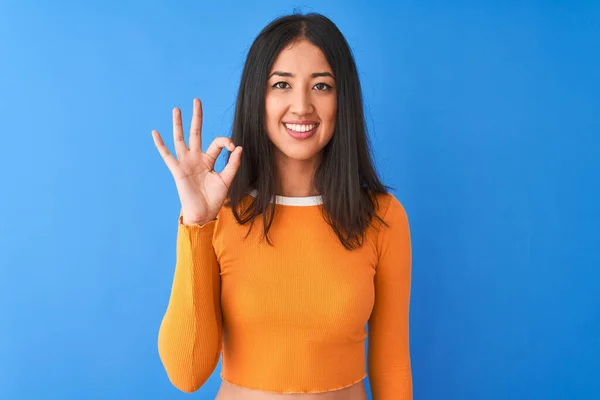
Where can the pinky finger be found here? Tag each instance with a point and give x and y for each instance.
(164, 151)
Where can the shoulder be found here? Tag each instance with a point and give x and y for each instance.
(393, 237)
(390, 208)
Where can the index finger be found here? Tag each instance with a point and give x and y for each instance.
(196, 128)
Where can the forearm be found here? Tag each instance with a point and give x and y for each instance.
(189, 340)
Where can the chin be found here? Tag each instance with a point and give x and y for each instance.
(299, 154)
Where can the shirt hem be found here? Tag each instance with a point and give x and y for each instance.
(292, 391)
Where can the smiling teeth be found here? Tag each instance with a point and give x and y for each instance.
(300, 128)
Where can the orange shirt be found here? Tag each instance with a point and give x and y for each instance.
(291, 318)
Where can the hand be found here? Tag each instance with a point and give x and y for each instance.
(202, 191)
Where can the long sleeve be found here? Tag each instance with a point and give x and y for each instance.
(189, 339)
(389, 366)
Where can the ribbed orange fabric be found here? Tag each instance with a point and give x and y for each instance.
(291, 318)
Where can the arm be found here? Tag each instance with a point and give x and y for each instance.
(388, 348)
(189, 339)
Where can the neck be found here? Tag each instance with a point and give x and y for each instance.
(295, 178)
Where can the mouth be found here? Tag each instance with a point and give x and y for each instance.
(301, 131)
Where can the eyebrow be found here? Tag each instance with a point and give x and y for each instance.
(313, 75)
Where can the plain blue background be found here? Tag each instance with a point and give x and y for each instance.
(485, 117)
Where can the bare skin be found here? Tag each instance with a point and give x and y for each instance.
(301, 87)
(201, 189)
(228, 391)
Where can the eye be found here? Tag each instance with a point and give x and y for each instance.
(280, 85)
(322, 86)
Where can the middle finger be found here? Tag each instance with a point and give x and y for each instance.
(180, 147)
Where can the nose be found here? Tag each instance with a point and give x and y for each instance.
(301, 103)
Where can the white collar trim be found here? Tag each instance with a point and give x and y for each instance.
(294, 201)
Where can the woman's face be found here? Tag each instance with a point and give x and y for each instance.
(300, 102)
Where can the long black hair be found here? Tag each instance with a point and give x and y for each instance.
(346, 177)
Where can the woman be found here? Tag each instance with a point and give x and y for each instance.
(284, 256)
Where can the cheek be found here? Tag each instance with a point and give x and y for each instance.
(273, 109)
(328, 108)
(329, 112)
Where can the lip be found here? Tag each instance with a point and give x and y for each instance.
(303, 122)
(301, 135)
